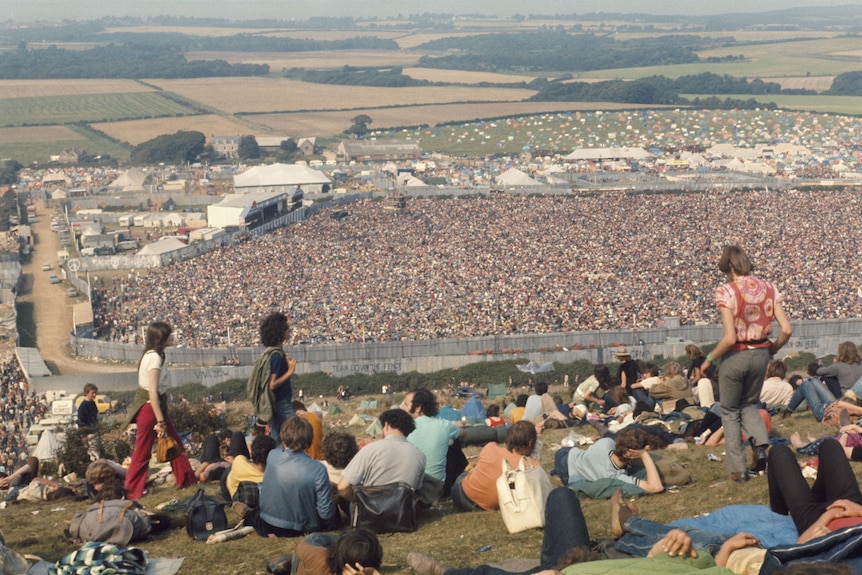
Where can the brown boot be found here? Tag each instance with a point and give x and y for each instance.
(425, 564)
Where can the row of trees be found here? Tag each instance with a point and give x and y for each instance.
(116, 61)
(355, 76)
(555, 50)
(661, 90)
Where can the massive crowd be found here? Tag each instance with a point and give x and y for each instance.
(18, 410)
(500, 265)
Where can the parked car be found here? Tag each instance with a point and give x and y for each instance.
(104, 403)
(46, 267)
(53, 279)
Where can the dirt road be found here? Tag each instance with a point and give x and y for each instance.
(51, 306)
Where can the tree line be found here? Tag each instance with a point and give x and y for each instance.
(555, 50)
(128, 61)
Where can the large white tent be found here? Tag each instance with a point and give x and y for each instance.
(279, 178)
(515, 177)
(602, 154)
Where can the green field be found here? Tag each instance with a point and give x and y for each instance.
(40, 152)
(48, 110)
(849, 105)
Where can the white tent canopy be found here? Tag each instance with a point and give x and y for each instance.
(278, 178)
(515, 177)
(48, 446)
(163, 246)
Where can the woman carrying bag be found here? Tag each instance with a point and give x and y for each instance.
(149, 411)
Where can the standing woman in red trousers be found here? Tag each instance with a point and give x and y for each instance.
(150, 411)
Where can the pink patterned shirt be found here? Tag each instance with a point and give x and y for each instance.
(752, 302)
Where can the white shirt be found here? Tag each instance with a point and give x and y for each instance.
(150, 361)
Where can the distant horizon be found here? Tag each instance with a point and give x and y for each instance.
(22, 11)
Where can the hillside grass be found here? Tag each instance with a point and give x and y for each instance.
(451, 537)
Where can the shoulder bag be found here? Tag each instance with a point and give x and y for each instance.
(206, 516)
(522, 493)
(385, 508)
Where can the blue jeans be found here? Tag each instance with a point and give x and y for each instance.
(561, 464)
(281, 412)
(460, 499)
(641, 534)
(857, 387)
(815, 394)
(565, 529)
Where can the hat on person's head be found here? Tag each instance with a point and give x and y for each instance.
(622, 352)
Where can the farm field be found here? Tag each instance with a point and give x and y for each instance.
(42, 88)
(39, 143)
(279, 61)
(850, 105)
(767, 61)
(136, 131)
(819, 83)
(70, 108)
(333, 123)
(464, 76)
(236, 95)
(37, 134)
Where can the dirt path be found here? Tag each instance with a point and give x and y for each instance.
(52, 307)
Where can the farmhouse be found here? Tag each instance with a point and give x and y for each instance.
(71, 155)
(227, 146)
(378, 150)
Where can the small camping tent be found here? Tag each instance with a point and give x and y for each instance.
(334, 409)
(375, 429)
(474, 411)
(48, 446)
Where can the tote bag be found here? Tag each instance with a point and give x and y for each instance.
(522, 493)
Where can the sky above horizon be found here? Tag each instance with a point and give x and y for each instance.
(29, 10)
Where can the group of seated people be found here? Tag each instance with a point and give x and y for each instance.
(304, 484)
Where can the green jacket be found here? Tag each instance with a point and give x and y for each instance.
(257, 387)
(142, 396)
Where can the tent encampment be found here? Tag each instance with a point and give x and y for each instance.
(334, 409)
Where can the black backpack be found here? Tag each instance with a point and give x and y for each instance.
(206, 516)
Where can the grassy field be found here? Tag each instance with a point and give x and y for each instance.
(451, 536)
(235, 95)
(851, 105)
(38, 144)
(333, 123)
(136, 131)
(279, 61)
(67, 109)
(41, 88)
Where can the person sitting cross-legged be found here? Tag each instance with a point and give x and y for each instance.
(295, 497)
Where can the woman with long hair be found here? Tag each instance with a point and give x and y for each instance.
(150, 412)
(846, 368)
(747, 305)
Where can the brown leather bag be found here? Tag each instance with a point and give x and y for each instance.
(167, 449)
